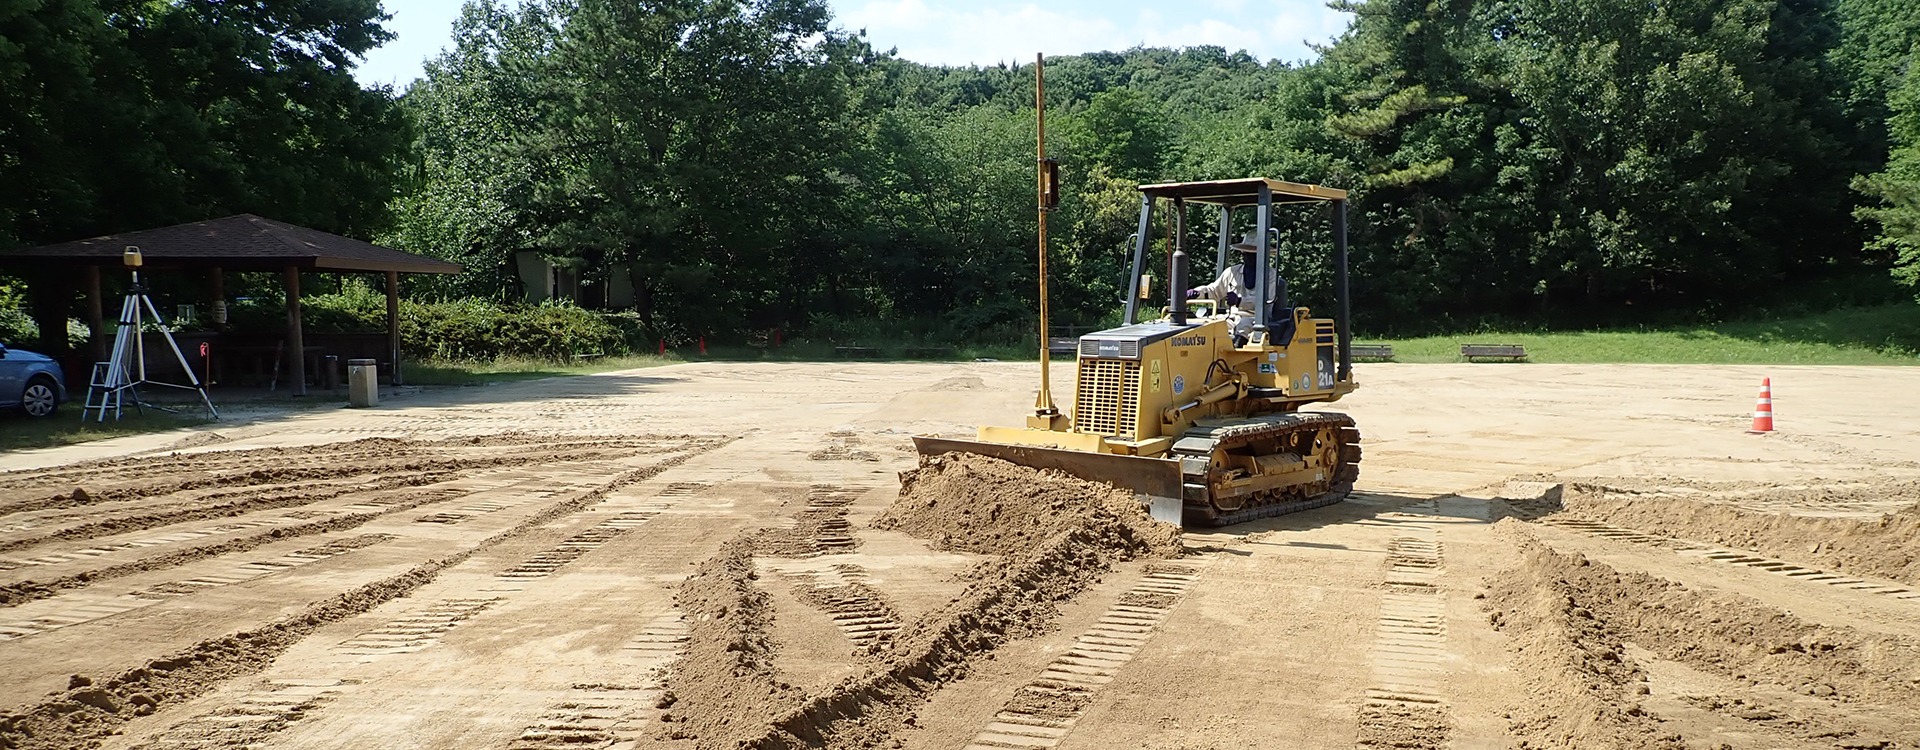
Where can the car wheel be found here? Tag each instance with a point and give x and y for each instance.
(39, 399)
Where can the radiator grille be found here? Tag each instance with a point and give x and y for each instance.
(1107, 401)
(1110, 348)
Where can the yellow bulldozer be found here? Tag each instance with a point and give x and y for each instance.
(1203, 421)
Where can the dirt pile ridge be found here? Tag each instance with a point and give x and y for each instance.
(1045, 554)
(1570, 619)
(1888, 547)
(725, 684)
(972, 503)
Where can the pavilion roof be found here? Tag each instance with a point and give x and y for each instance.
(242, 242)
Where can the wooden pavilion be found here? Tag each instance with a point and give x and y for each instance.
(243, 242)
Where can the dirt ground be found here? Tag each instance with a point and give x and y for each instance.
(712, 556)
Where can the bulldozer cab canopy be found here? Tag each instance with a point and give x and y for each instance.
(1243, 192)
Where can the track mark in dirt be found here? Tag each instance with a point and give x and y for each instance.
(72, 609)
(248, 720)
(465, 512)
(417, 630)
(1405, 706)
(546, 563)
(89, 553)
(1737, 557)
(662, 639)
(841, 447)
(24, 591)
(820, 528)
(1043, 711)
(860, 612)
(603, 715)
(84, 715)
(598, 716)
(252, 504)
(683, 489)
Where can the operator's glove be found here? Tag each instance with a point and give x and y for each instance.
(1193, 294)
(1232, 299)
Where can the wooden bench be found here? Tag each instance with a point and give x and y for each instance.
(929, 352)
(1508, 352)
(856, 352)
(1371, 352)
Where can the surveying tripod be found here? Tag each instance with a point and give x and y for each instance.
(126, 368)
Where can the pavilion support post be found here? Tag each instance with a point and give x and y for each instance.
(393, 324)
(296, 343)
(50, 297)
(218, 313)
(96, 314)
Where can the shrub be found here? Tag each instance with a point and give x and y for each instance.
(464, 329)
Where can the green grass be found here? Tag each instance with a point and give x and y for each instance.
(18, 432)
(1886, 335)
(509, 369)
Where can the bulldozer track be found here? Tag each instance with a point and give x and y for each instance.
(1405, 705)
(1043, 711)
(1204, 441)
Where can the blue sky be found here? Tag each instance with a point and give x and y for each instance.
(954, 32)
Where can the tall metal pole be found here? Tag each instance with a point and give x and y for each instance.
(1345, 309)
(1043, 404)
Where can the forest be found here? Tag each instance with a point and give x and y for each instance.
(751, 165)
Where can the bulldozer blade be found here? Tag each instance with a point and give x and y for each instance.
(1156, 479)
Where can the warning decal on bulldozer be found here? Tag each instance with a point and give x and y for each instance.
(1156, 376)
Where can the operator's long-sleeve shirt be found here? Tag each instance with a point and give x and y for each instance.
(1241, 316)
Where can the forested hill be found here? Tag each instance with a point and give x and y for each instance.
(751, 164)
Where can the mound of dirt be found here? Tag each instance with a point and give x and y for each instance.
(1010, 597)
(1578, 679)
(1888, 547)
(725, 686)
(972, 503)
(726, 692)
(1569, 618)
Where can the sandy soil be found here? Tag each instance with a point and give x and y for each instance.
(718, 556)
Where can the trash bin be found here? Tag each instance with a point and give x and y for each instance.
(363, 383)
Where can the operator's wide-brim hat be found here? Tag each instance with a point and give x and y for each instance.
(1247, 243)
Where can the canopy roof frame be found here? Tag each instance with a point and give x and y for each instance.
(242, 242)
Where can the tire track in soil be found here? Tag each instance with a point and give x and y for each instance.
(820, 528)
(607, 714)
(25, 591)
(265, 466)
(415, 630)
(861, 612)
(1737, 557)
(1406, 707)
(185, 499)
(127, 524)
(546, 563)
(80, 608)
(87, 713)
(250, 719)
(1042, 712)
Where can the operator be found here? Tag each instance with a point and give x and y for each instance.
(1234, 291)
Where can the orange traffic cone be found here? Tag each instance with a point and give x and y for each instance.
(1763, 408)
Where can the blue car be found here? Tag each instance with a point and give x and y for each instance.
(30, 382)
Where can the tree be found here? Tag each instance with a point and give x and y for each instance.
(124, 115)
(1898, 186)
